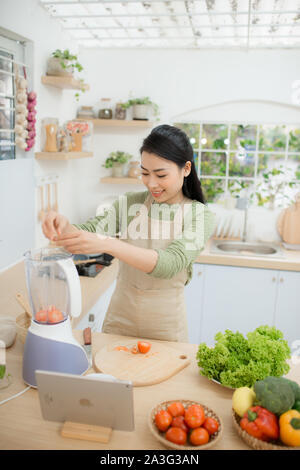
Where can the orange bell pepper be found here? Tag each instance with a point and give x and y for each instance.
(289, 424)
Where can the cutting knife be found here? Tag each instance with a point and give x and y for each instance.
(87, 337)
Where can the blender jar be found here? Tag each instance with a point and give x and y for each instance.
(47, 284)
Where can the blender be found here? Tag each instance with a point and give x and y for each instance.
(55, 297)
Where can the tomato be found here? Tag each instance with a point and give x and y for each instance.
(121, 348)
(211, 425)
(178, 422)
(176, 409)
(199, 436)
(163, 419)
(176, 435)
(194, 416)
(143, 346)
(41, 316)
(134, 349)
(55, 316)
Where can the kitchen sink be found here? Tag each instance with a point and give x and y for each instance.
(239, 248)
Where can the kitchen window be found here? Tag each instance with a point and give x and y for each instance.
(11, 55)
(232, 157)
(7, 106)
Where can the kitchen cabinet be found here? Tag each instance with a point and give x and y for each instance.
(238, 299)
(241, 299)
(287, 311)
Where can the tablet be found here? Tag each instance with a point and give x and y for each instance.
(80, 399)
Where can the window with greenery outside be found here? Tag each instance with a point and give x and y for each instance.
(260, 161)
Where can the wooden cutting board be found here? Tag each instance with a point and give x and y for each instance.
(160, 363)
(288, 223)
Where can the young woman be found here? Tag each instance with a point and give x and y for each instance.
(161, 233)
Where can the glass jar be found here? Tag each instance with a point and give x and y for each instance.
(49, 135)
(120, 113)
(63, 140)
(105, 111)
(134, 169)
(85, 112)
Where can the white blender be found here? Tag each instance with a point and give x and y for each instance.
(55, 296)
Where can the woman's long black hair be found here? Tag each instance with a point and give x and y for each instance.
(173, 144)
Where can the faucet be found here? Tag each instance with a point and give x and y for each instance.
(242, 204)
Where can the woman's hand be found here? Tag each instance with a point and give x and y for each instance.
(54, 224)
(82, 242)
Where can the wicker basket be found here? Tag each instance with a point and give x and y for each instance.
(257, 443)
(214, 438)
(22, 324)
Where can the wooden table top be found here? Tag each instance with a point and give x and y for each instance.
(22, 425)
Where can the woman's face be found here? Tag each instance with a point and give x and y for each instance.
(163, 178)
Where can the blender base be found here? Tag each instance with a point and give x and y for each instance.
(42, 353)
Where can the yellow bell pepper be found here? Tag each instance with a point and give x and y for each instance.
(289, 424)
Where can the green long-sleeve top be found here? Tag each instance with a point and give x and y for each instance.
(181, 253)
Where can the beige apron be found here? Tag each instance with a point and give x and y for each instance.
(144, 306)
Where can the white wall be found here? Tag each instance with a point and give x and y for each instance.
(178, 80)
(29, 20)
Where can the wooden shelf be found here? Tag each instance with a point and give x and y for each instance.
(111, 180)
(63, 82)
(118, 123)
(62, 155)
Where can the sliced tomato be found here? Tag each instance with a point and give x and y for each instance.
(143, 346)
(121, 348)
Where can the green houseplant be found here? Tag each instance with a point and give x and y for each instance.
(116, 162)
(141, 107)
(63, 64)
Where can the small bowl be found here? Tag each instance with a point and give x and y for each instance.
(257, 443)
(214, 438)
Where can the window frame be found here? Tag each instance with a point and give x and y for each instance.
(256, 179)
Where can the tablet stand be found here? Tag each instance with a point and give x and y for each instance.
(86, 432)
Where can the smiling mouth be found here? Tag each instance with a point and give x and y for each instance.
(157, 193)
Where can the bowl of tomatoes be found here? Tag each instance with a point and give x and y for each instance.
(185, 425)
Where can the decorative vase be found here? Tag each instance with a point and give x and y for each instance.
(117, 170)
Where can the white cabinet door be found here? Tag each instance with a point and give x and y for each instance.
(193, 298)
(238, 299)
(287, 316)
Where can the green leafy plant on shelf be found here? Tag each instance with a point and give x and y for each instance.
(70, 62)
(145, 100)
(117, 157)
(67, 60)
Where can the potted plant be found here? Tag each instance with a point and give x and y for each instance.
(63, 64)
(141, 107)
(116, 162)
